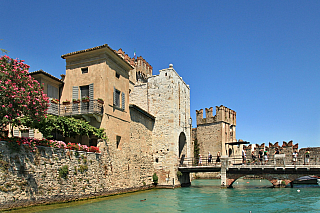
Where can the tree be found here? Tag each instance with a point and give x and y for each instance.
(20, 94)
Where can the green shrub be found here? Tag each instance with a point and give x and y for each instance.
(64, 171)
(4, 165)
(179, 174)
(76, 154)
(83, 168)
(155, 179)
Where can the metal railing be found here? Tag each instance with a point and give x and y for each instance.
(237, 161)
(81, 108)
(190, 162)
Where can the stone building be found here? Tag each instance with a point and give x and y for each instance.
(102, 73)
(217, 133)
(167, 97)
(146, 117)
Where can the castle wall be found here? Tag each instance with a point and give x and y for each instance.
(287, 148)
(28, 178)
(210, 139)
(168, 99)
(214, 131)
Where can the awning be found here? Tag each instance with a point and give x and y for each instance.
(238, 142)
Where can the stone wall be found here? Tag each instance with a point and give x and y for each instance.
(286, 148)
(28, 178)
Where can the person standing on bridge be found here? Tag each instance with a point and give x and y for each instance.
(218, 158)
(244, 156)
(260, 156)
(307, 157)
(209, 157)
(253, 157)
(294, 157)
(200, 160)
(265, 153)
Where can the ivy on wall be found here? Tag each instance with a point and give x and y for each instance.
(66, 126)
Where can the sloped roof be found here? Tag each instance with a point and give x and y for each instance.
(96, 48)
(47, 74)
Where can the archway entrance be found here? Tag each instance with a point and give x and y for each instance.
(182, 142)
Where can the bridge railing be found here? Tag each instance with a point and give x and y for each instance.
(274, 160)
(204, 161)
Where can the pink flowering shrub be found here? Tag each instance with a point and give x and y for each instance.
(60, 144)
(21, 95)
(32, 143)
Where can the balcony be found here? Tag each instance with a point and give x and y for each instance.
(92, 108)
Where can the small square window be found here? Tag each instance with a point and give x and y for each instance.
(117, 75)
(84, 70)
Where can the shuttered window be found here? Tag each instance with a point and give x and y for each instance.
(116, 97)
(16, 132)
(84, 91)
(52, 92)
(31, 133)
(75, 92)
(91, 96)
(123, 101)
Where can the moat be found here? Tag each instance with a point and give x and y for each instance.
(202, 196)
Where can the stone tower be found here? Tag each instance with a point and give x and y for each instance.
(215, 132)
(167, 97)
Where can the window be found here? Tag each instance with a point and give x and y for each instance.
(123, 101)
(117, 75)
(25, 133)
(116, 98)
(84, 70)
(118, 141)
(53, 92)
(93, 142)
(84, 91)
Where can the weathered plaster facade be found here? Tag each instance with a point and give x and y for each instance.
(100, 73)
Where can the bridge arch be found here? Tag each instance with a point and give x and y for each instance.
(279, 180)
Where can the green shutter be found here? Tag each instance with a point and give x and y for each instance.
(75, 92)
(16, 132)
(114, 96)
(123, 101)
(31, 133)
(91, 96)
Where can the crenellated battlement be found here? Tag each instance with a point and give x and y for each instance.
(286, 148)
(143, 68)
(223, 114)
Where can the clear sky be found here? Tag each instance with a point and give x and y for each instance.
(259, 58)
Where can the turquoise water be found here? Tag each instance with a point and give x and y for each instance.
(207, 196)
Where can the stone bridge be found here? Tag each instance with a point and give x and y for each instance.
(278, 175)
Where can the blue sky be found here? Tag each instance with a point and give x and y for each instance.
(259, 58)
